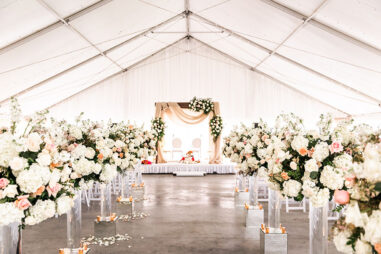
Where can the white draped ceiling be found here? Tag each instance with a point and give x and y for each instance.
(326, 51)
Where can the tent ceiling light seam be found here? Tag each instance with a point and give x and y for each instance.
(287, 59)
(54, 25)
(327, 28)
(73, 29)
(41, 83)
(119, 72)
(251, 68)
(296, 29)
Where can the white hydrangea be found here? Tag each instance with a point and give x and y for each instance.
(309, 188)
(362, 247)
(299, 142)
(41, 211)
(64, 204)
(320, 198)
(75, 131)
(83, 167)
(353, 215)
(29, 181)
(372, 228)
(372, 163)
(340, 240)
(79, 151)
(108, 173)
(291, 188)
(44, 159)
(311, 166)
(332, 178)
(321, 151)
(343, 161)
(9, 213)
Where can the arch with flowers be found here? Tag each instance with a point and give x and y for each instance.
(207, 109)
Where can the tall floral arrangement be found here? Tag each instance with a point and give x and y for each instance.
(332, 153)
(359, 230)
(32, 188)
(246, 146)
(287, 151)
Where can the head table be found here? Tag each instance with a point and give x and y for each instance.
(170, 168)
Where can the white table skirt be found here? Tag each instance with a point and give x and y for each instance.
(169, 168)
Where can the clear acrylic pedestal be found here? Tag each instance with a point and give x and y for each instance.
(10, 239)
(318, 229)
(105, 225)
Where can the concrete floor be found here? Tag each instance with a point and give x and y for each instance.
(186, 215)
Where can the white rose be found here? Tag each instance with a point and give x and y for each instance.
(10, 191)
(90, 153)
(293, 165)
(33, 142)
(17, 163)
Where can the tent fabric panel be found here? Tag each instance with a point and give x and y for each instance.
(255, 18)
(317, 87)
(111, 21)
(336, 57)
(234, 47)
(302, 6)
(19, 18)
(67, 7)
(244, 95)
(360, 19)
(40, 59)
(66, 85)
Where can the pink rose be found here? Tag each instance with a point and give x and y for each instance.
(341, 197)
(3, 183)
(54, 190)
(350, 181)
(22, 202)
(336, 147)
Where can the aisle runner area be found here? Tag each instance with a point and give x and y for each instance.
(169, 168)
(186, 215)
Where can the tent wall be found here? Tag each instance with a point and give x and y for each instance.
(185, 70)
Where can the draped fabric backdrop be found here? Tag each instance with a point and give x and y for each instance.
(176, 113)
(178, 74)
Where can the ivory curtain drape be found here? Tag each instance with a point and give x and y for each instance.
(176, 113)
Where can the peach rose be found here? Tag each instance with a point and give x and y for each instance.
(341, 197)
(285, 176)
(303, 151)
(377, 247)
(3, 183)
(100, 156)
(39, 191)
(22, 202)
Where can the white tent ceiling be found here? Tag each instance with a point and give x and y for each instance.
(327, 49)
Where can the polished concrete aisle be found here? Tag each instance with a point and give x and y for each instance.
(186, 215)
